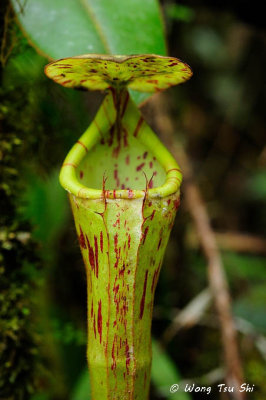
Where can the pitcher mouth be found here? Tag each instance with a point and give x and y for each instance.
(70, 170)
(119, 157)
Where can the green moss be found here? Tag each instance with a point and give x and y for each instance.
(20, 268)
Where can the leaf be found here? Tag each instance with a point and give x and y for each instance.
(82, 388)
(24, 67)
(164, 373)
(86, 26)
(40, 199)
(251, 307)
(249, 270)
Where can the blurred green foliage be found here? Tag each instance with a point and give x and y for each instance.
(179, 12)
(220, 116)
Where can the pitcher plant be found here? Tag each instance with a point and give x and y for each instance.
(123, 187)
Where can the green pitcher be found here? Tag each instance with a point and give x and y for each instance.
(123, 186)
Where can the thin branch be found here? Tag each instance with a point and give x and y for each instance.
(194, 313)
(233, 241)
(244, 327)
(190, 315)
(217, 279)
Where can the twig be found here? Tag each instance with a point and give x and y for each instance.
(244, 327)
(190, 315)
(194, 313)
(233, 241)
(217, 279)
